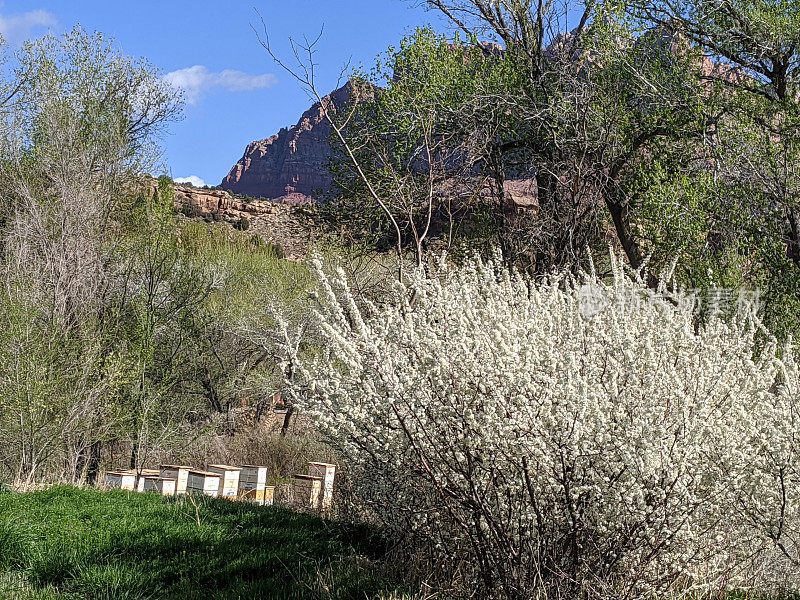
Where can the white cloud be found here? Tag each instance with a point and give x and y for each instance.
(193, 179)
(197, 80)
(17, 28)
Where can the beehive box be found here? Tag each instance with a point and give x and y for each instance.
(264, 495)
(307, 492)
(253, 484)
(165, 487)
(203, 482)
(125, 480)
(142, 475)
(230, 479)
(327, 472)
(180, 473)
(252, 476)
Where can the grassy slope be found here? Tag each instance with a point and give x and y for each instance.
(68, 543)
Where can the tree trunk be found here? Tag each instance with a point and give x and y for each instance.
(93, 466)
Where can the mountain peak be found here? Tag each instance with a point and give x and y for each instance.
(293, 162)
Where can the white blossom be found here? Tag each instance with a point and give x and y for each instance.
(614, 452)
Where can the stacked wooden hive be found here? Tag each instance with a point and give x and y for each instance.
(314, 491)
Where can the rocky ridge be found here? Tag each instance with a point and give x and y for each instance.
(278, 223)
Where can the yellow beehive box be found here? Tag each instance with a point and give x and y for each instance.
(180, 473)
(230, 479)
(165, 487)
(124, 480)
(327, 472)
(307, 492)
(263, 495)
(145, 473)
(203, 482)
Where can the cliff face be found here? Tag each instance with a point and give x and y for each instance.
(291, 164)
(276, 222)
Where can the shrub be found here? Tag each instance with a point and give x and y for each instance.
(564, 439)
(243, 224)
(191, 211)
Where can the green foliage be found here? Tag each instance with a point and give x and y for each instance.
(408, 129)
(191, 211)
(68, 543)
(243, 224)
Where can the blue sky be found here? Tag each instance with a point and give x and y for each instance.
(236, 94)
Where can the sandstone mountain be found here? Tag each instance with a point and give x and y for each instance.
(291, 165)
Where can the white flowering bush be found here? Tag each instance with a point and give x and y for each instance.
(540, 446)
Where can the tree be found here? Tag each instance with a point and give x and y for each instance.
(80, 125)
(574, 116)
(753, 153)
(160, 303)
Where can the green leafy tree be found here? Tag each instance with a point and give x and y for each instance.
(81, 123)
(751, 157)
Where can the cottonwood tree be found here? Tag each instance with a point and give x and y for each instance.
(407, 136)
(753, 153)
(80, 127)
(574, 116)
(162, 294)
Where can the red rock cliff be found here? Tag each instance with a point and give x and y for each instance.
(291, 163)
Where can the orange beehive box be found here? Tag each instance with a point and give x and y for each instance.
(203, 482)
(180, 473)
(307, 492)
(165, 487)
(327, 472)
(229, 479)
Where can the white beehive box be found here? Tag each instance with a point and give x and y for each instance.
(124, 480)
(165, 487)
(203, 482)
(307, 492)
(230, 479)
(145, 473)
(180, 473)
(327, 472)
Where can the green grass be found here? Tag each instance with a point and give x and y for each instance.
(66, 543)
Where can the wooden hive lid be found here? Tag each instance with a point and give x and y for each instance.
(225, 467)
(311, 477)
(204, 473)
(176, 467)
